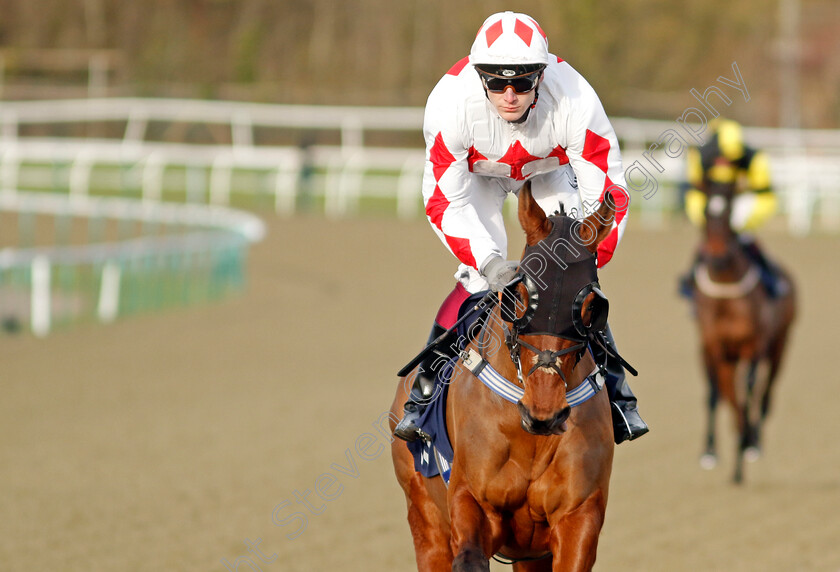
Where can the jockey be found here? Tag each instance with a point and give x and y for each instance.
(508, 113)
(724, 158)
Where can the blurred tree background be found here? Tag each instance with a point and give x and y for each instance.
(642, 56)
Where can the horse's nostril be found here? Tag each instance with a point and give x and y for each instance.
(550, 426)
(564, 414)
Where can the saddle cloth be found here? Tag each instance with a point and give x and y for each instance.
(433, 458)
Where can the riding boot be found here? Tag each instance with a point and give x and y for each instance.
(627, 423)
(769, 274)
(686, 282)
(421, 392)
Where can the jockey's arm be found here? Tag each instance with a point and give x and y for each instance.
(446, 181)
(594, 154)
(753, 207)
(695, 199)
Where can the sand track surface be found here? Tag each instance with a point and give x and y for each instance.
(175, 441)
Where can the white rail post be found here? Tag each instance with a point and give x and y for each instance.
(285, 186)
(352, 136)
(40, 310)
(350, 184)
(9, 167)
(109, 292)
(152, 190)
(241, 129)
(196, 183)
(80, 172)
(220, 179)
(408, 189)
(800, 195)
(135, 127)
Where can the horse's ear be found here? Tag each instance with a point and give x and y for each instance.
(595, 228)
(532, 218)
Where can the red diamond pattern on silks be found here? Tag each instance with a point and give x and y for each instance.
(620, 197)
(440, 157)
(596, 150)
(560, 153)
(493, 32)
(456, 69)
(522, 30)
(517, 157)
(435, 207)
(473, 156)
(621, 200)
(606, 248)
(461, 248)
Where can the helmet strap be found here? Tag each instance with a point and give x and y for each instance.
(536, 97)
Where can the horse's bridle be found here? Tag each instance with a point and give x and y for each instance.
(589, 334)
(544, 358)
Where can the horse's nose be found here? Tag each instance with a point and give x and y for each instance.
(553, 425)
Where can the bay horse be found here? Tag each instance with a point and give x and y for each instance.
(528, 481)
(743, 331)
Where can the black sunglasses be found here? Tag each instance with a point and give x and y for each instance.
(520, 85)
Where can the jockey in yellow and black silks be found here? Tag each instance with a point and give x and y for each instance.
(725, 158)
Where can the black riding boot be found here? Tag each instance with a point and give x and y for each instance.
(686, 281)
(769, 274)
(421, 393)
(627, 423)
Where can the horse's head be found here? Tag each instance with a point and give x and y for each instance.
(560, 272)
(719, 246)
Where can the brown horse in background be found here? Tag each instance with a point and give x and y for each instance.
(529, 481)
(743, 330)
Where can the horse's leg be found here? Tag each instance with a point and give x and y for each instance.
(471, 534)
(743, 381)
(429, 529)
(428, 524)
(756, 389)
(708, 460)
(574, 537)
(731, 388)
(777, 350)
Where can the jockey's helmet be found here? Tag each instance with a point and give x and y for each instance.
(730, 138)
(509, 45)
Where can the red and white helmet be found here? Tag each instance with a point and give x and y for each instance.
(510, 38)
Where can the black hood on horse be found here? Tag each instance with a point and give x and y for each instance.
(563, 272)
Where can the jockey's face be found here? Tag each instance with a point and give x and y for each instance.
(511, 105)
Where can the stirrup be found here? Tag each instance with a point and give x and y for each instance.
(628, 425)
(407, 428)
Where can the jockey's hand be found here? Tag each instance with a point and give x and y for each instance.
(499, 272)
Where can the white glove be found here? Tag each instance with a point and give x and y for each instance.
(499, 272)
